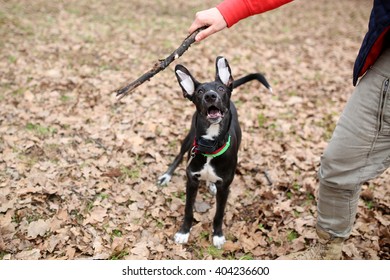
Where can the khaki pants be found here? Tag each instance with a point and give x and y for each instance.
(358, 151)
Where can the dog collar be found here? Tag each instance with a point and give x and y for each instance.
(199, 148)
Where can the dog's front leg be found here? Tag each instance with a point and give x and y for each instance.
(222, 196)
(182, 236)
(185, 147)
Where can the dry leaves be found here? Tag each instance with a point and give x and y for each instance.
(78, 169)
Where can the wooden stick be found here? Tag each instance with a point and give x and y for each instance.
(158, 66)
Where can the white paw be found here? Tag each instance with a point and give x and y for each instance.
(218, 241)
(164, 179)
(181, 238)
(213, 188)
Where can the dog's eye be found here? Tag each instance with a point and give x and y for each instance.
(201, 91)
(221, 89)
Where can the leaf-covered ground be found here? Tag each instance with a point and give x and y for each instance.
(78, 169)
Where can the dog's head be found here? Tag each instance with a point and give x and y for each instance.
(212, 99)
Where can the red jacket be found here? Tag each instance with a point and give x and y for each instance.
(375, 41)
(236, 10)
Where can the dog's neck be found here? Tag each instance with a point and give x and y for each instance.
(212, 135)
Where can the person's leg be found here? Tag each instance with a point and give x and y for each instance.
(358, 151)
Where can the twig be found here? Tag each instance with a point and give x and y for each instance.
(158, 66)
(268, 177)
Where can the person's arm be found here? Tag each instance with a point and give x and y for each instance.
(228, 13)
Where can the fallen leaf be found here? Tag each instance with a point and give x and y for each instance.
(114, 172)
(201, 206)
(231, 246)
(118, 244)
(139, 251)
(33, 254)
(36, 228)
(97, 215)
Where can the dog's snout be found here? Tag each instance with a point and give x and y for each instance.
(210, 96)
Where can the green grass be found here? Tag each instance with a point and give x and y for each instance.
(64, 98)
(40, 130)
(309, 198)
(33, 218)
(116, 233)
(159, 223)
(260, 226)
(119, 255)
(246, 257)
(12, 59)
(204, 235)
(103, 196)
(261, 119)
(89, 207)
(215, 252)
(292, 235)
(296, 186)
(16, 219)
(18, 92)
(369, 204)
(181, 195)
(131, 173)
(2, 254)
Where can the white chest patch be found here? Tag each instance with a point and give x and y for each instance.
(207, 173)
(212, 132)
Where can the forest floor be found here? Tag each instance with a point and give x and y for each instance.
(78, 169)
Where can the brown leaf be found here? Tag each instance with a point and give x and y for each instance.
(202, 206)
(33, 254)
(114, 172)
(97, 215)
(367, 194)
(231, 246)
(140, 251)
(351, 251)
(384, 221)
(6, 204)
(36, 228)
(70, 252)
(248, 243)
(54, 240)
(118, 244)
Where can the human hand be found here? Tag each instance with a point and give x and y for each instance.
(211, 18)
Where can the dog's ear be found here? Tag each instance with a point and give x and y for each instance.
(224, 74)
(187, 82)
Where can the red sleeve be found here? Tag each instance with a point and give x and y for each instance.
(235, 10)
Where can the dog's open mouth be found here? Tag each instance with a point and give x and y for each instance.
(214, 113)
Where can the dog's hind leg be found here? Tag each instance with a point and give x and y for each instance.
(185, 147)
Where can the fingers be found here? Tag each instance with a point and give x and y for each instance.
(204, 34)
(211, 18)
(195, 24)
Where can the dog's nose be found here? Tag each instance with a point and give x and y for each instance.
(210, 96)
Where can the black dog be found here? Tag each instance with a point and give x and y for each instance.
(212, 142)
